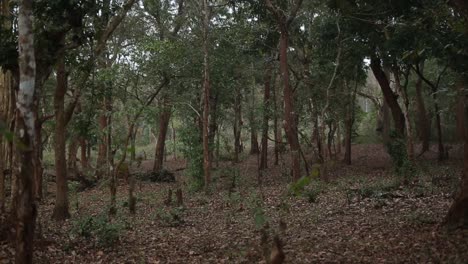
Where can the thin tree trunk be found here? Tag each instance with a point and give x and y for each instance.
(424, 127)
(266, 117)
(26, 209)
(84, 157)
(289, 110)
(72, 152)
(408, 125)
(276, 125)
(102, 147)
(174, 142)
(206, 97)
(460, 111)
(60, 212)
(237, 124)
(164, 119)
(213, 126)
(440, 143)
(254, 147)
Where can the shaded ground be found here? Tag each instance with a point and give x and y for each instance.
(362, 216)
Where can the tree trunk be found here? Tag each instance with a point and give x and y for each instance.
(72, 152)
(290, 119)
(133, 144)
(164, 119)
(457, 215)
(424, 127)
(83, 154)
(60, 212)
(213, 126)
(254, 147)
(26, 209)
(408, 125)
(460, 112)
(102, 147)
(237, 124)
(389, 95)
(440, 143)
(5, 117)
(348, 135)
(276, 126)
(206, 97)
(266, 116)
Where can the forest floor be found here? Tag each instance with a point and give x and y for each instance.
(362, 215)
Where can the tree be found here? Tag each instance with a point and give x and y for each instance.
(26, 209)
(290, 116)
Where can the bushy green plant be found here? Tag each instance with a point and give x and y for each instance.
(172, 217)
(192, 149)
(255, 204)
(299, 188)
(99, 227)
(396, 148)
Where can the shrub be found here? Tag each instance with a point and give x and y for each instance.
(396, 148)
(105, 232)
(192, 149)
(299, 188)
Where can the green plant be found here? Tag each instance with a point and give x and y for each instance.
(396, 148)
(299, 188)
(255, 204)
(171, 218)
(99, 227)
(192, 149)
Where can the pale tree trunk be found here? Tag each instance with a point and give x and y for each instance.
(164, 119)
(26, 209)
(206, 97)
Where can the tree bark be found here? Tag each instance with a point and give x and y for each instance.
(457, 215)
(83, 154)
(266, 117)
(26, 209)
(102, 147)
(206, 97)
(290, 116)
(60, 212)
(237, 124)
(5, 116)
(276, 127)
(164, 119)
(401, 89)
(424, 127)
(389, 95)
